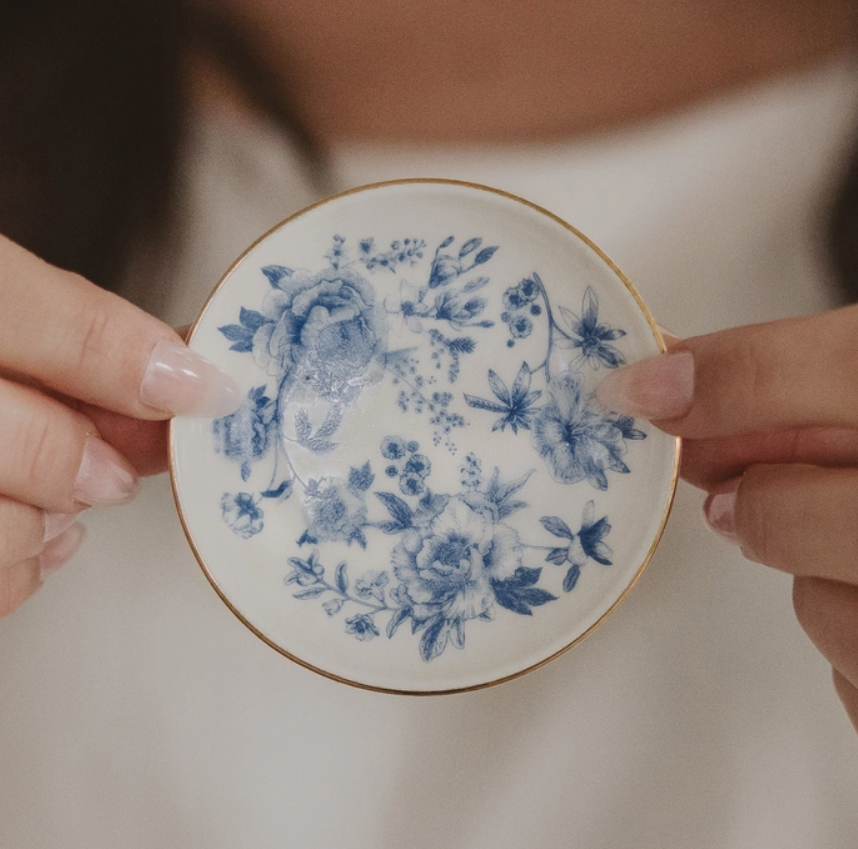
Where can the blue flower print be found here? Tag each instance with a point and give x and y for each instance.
(460, 309)
(244, 435)
(371, 585)
(515, 404)
(446, 569)
(576, 442)
(241, 513)
(591, 337)
(436, 546)
(325, 330)
(362, 626)
(411, 484)
(393, 448)
(418, 464)
(334, 512)
(446, 268)
(586, 544)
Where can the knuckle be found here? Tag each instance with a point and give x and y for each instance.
(36, 448)
(751, 362)
(46, 443)
(92, 343)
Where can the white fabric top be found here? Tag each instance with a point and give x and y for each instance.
(136, 711)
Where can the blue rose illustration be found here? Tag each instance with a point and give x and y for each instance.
(334, 511)
(242, 513)
(244, 436)
(576, 442)
(446, 567)
(326, 329)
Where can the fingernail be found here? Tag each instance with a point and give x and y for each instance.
(719, 511)
(60, 550)
(105, 477)
(184, 383)
(660, 387)
(56, 523)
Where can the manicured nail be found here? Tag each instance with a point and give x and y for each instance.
(719, 511)
(56, 523)
(105, 477)
(60, 550)
(660, 387)
(182, 382)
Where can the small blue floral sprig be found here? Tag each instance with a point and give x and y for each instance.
(585, 545)
(589, 336)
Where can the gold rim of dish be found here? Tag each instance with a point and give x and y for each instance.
(668, 503)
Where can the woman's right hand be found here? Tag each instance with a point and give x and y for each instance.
(87, 384)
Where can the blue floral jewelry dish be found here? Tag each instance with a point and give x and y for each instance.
(419, 493)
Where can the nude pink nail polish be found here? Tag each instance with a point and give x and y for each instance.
(719, 511)
(660, 387)
(105, 477)
(60, 550)
(182, 382)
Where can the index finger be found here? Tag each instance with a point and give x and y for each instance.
(73, 337)
(794, 373)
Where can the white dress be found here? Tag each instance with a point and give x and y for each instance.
(136, 711)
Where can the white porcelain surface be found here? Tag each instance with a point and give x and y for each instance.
(419, 493)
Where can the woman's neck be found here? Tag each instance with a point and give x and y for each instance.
(504, 70)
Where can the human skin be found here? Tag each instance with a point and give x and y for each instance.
(87, 382)
(768, 417)
(504, 70)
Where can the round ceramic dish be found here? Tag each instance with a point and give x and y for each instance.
(419, 493)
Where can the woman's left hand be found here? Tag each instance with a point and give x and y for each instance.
(769, 419)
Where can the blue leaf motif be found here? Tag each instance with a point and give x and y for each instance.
(484, 255)
(251, 319)
(518, 593)
(571, 578)
(241, 337)
(399, 616)
(362, 478)
(276, 274)
(556, 526)
(516, 404)
(313, 592)
(281, 492)
(469, 247)
(398, 509)
(434, 639)
(342, 578)
(303, 427)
